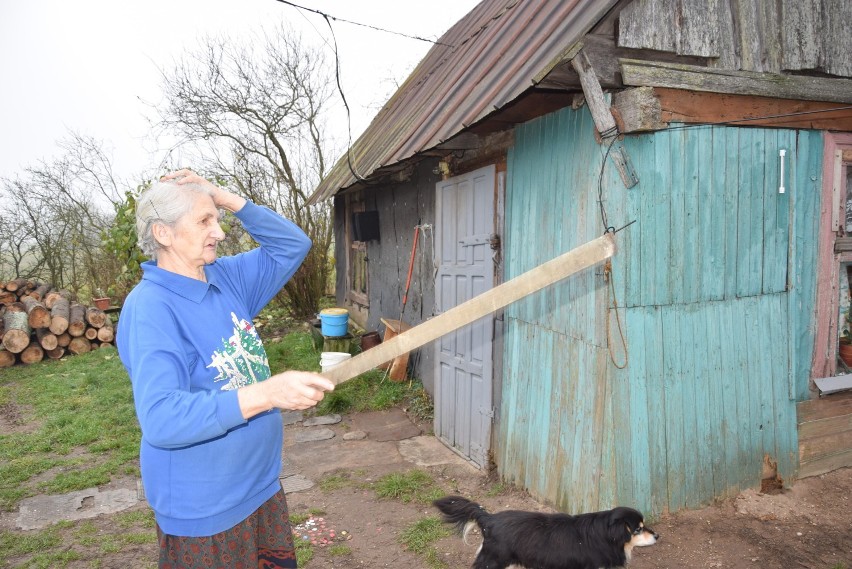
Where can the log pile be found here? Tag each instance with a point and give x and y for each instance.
(40, 322)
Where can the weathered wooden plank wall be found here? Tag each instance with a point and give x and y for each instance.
(716, 280)
(757, 35)
(400, 208)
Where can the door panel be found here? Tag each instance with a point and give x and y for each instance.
(465, 225)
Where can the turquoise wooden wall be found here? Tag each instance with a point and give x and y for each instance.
(715, 283)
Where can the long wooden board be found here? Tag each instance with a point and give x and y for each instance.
(500, 296)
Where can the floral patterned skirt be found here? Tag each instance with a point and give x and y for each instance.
(264, 540)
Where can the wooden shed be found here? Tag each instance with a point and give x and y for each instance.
(714, 140)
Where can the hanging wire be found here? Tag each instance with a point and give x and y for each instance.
(604, 220)
(342, 96)
(610, 293)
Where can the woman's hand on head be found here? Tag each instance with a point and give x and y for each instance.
(221, 197)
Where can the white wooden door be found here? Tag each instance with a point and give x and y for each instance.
(464, 229)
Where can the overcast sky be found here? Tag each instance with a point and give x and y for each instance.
(90, 65)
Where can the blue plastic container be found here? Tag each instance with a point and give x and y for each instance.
(334, 322)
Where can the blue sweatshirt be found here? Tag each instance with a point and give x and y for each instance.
(188, 346)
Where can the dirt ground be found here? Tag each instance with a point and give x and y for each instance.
(806, 526)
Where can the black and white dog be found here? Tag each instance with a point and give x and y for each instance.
(532, 540)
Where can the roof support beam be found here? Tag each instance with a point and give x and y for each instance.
(644, 109)
(599, 107)
(694, 78)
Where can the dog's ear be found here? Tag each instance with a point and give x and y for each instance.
(622, 521)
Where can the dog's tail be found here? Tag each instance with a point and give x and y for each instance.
(462, 513)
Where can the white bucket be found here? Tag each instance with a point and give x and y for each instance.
(330, 359)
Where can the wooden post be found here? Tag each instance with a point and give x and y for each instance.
(490, 301)
(604, 121)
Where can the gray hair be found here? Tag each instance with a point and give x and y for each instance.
(163, 202)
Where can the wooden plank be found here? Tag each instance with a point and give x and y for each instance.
(817, 409)
(676, 459)
(671, 145)
(699, 30)
(640, 25)
(784, 407)
(824, 427)
(716, 400)
(659, 205)
(604, 122)
(827, 444)
(691, 107)
(713, 265)
(801, 29)
(826, 463)
(837, 41)
(730, 382)
(732, 192)
(523, 285)
(692, 248)
(639, 409)
(695, 78)
(745, 224)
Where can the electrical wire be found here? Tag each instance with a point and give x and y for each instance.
(329, 16)
(604, 220)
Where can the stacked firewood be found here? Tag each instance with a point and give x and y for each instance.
(38, 322)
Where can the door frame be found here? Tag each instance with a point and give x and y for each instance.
(824, 362)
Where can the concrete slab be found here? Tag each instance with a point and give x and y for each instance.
(41, 511)
(321, 420)
(291, 417)
(296, 483)
(429, 451)
(313, 435)
(391, 425)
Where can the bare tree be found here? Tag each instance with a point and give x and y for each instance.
(16, 242)
(254, 112)
(58, 210)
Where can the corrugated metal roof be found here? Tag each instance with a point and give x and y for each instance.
(484, 62)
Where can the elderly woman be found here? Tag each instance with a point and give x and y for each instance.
(205, 398)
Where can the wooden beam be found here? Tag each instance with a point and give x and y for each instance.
(598, 105)
(486, 303)
(653, 108)
(639, 110)
(695, 78)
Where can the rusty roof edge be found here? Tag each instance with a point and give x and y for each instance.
(340, 178)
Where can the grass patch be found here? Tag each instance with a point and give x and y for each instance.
(304, 552)
(420, 536)
(334, 482)
(85, 426)
(411, 486)
(339, 550)
(292, 351)
(66, 542)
